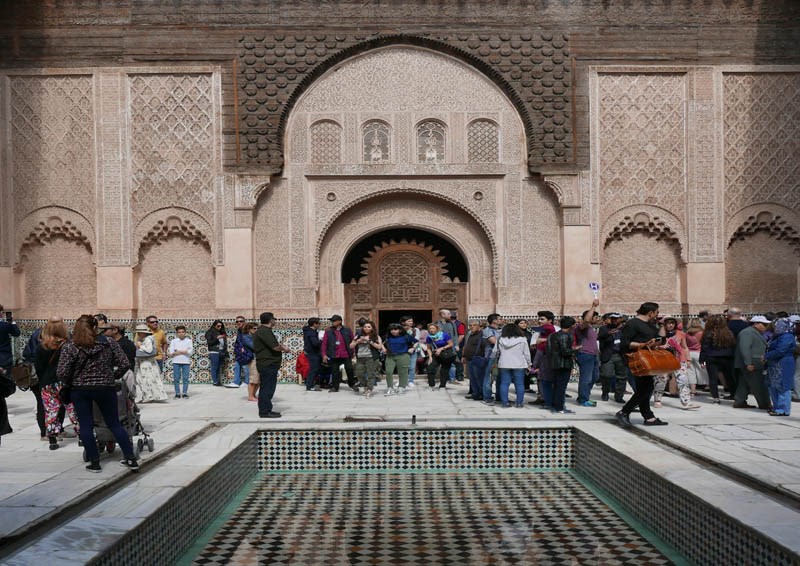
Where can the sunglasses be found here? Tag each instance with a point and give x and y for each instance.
(152, 322)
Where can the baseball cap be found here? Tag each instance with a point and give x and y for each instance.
(759, 318)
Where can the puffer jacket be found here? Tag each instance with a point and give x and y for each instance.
(93, 367)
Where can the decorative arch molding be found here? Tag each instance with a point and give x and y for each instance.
(44, 224)
(531, 68)
(160, 224)
(406, 192)
(645, 218)
(780, 222)
(415, 213)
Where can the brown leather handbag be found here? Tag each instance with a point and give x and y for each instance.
(648, 361)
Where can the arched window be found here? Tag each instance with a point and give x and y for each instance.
(483, 144)
(430, 142)
(376, 137)
(326, 142)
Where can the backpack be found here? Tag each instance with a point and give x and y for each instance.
(241, 352)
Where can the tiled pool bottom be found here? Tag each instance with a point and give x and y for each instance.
(484, 517)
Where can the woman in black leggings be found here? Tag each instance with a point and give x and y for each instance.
(716, 355)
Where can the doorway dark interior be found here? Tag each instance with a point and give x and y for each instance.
(385, 318)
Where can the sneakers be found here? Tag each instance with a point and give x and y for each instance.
(94, 467)
(690, 406)
(588, 404)
(270, 415)
(490, 402)
(623, 420)
(389, 393)
(130, 463)
(53, 443)
(232, 385)
(177, 396)
(604, 397)
(656, 422)
(518, 405)
(401, 391)
(185, 396)
(562, 412)
(411, 385)
(368, 393)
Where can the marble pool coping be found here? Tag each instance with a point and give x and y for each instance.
(90, 536)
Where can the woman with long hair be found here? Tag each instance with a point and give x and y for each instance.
(217, 341)
(514, 360)
(149, 386)
(716, 353)
(53, 337)
(88, 366)
(696, 373)
(248, 331)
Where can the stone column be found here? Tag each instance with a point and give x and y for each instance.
(115, 282)
(705, 270)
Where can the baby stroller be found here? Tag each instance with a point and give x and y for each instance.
(128, 417)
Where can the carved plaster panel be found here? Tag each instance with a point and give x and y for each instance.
(762, 139)
(639, 139)
(42, 226)
(113, 218)
(780, 222)
(532, 68)
(645, 218)
(411, 211)
(704, 172)
(160, 224)
(52, 131)
(345, 194)
(172, 143)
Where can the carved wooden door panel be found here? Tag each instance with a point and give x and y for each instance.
(403, 276)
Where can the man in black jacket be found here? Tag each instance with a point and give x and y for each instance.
(613, 370)
(337, 353)
(312, 346)
(561, 356)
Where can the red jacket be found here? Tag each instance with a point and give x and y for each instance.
(302, 366)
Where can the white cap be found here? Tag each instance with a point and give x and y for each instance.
(760, 318)
(794, 319)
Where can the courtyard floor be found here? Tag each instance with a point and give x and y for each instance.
(38, 487)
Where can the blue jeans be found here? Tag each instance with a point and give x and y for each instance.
(781, 400)
(589, 366)
(487, 380)
(180, 372)
(160, 365)
(106, 399)
(477, 369)
(241, 373)
(518, 375)
(269, 381)
(214, 359)
(412, 369)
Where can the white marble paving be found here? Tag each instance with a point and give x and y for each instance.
(748, 441)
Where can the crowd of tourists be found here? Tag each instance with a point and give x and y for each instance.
(724, 355)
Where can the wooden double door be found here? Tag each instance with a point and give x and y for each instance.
(403, 278)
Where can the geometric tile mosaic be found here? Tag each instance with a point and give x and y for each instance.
(425, 518)
(703, 534)
(414, 449)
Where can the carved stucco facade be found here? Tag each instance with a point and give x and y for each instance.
(118, 173)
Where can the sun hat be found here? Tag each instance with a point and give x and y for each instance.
(759, 318)
(142, 329)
